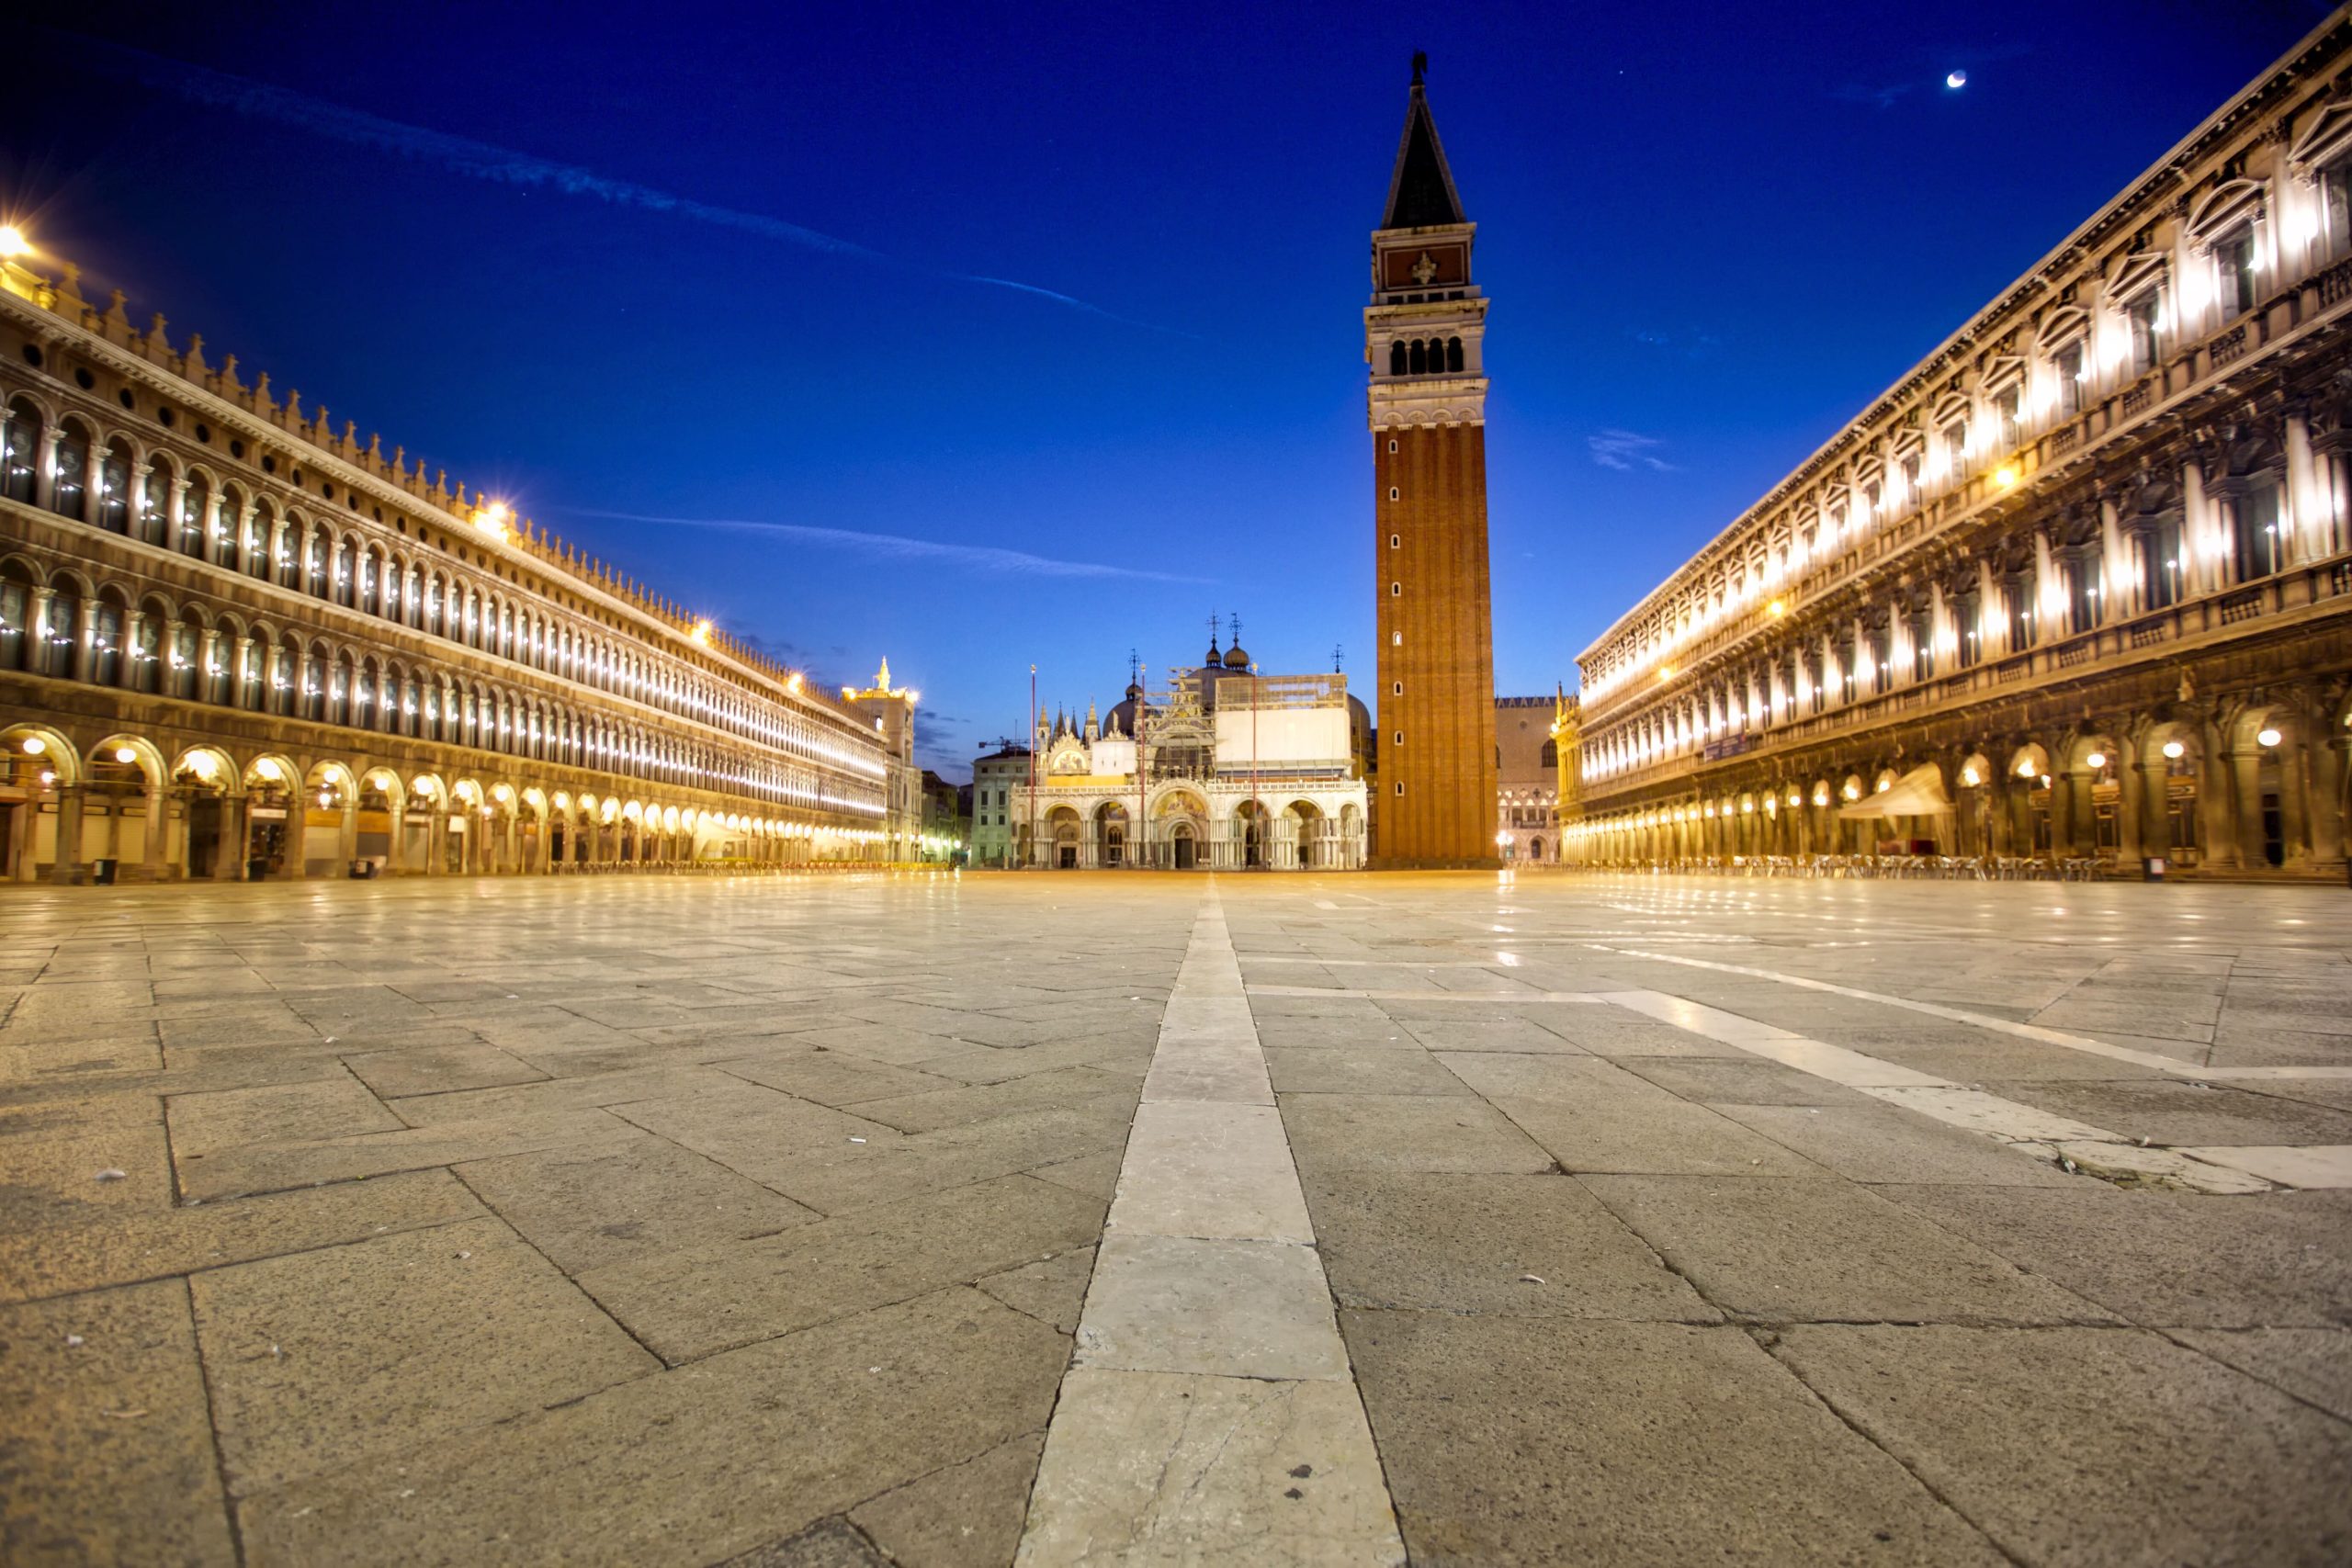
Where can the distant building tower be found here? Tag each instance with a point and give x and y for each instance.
(1424, 336)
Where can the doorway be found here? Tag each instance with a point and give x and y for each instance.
(203, 836)
(1184, 844)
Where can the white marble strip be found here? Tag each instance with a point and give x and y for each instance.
(1209, 1414)
(2324, 1165)
(1426, 996)
(2040, 1131)
(1933, 1010)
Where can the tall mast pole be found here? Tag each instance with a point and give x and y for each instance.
(1143, 706)
(1257, 812)
(1029, 851)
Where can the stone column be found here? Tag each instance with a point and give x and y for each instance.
(45, 471)
(396, 851)
(2131, 807)
(236, 825)
(297, 832)
(159, 826)
(23, 824)
(62, 871)
(81, 659)
(2327, 801)
(242, 677)
(2216, 817)
(2245, 774)
(2294, 793)
(437, 841)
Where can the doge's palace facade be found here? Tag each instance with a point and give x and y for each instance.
(2076, 588)
(236, 641)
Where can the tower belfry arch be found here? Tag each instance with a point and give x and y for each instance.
(1425, 345)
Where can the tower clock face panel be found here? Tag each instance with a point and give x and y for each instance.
(1441, 265)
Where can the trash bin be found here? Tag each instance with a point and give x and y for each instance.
(257, 869)
(2152, 869)
(361, 870)
(102, 873)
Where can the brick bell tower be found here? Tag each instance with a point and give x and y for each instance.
(1424, 339)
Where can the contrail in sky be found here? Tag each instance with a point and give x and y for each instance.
(484, 161)
(898, 547)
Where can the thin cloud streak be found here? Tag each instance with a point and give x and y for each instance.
(898, 547)
(1626, 450)
(499, 165)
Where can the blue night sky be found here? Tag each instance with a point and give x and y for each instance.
(634, 265)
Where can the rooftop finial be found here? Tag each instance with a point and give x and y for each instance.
(1421, 66)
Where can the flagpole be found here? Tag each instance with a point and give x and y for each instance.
(1029, 852)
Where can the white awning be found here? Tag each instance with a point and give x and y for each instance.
(1919, 793)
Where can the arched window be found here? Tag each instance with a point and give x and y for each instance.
(185, 647)
(1396, 360)
(346, 574)
(318, 563)
(153, 525)
(372, 585)
(105, 643)
(19, 450)
(292, 549)
(114, 487)
(216, 679)
(1418, 360)
(69, 486)
(253, 531)
(1453, 354)
(146, 650)
(1551, 757)
(341, 690)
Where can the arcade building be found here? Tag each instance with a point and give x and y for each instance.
(237, 641)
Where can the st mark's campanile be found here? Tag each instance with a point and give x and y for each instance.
(1424, 338)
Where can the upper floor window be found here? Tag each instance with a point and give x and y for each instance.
(2335, 197)
(2160, 564)
(1911, 472)
(2009, 409)
(2082, 590)
(2070, 379)
(2142, 318)
(1955, 445)
(2233, 273)
(2260, 549)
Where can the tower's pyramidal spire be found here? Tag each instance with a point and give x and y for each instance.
(1421, 187)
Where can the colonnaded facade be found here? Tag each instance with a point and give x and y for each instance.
(237, 643)
(1224, 769)
(1527, 773)
(2079, 584)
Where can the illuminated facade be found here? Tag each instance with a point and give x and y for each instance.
(2077, 587)
(235, 641)
(1527, 772)
(1225, 769)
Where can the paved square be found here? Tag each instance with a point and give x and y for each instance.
(1464, 1219)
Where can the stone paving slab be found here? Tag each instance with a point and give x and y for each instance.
(1508, 1244)
(318, 1360)
(107, 1447)
(161, 1243)
(1514, 1440)
(2082, 1445)
(694, 1302)
(696, 1464)
(1778, 1251)
(2165, 1260)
